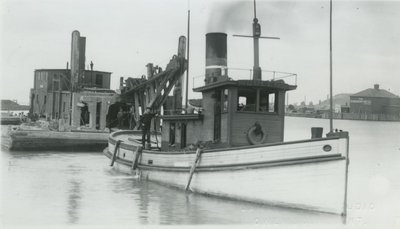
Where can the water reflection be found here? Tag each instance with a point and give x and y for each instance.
(74, 196)
(143, 202)
(174, 206)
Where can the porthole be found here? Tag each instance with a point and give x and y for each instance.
(327, 148)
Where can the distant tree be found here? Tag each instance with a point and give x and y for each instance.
(291, 107)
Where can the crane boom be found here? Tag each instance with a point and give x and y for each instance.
(153, 92)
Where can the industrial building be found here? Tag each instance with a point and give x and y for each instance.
(375, 101)
(76, 96)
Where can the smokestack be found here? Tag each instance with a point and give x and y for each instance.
(150, 70)
(178, 92)
(376, 86)
(78, 45)
(82, 53)
(216, 57)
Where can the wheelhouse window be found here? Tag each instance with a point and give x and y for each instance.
(257, 101)
(268, 102)
(247, 100)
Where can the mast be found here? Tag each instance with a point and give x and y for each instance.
(330, 68)
(187, 57)
(256, 35)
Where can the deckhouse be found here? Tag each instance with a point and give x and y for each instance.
(233, 112)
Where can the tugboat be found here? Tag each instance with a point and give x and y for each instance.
(233, 146)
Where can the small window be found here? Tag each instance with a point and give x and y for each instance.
(272, 103)
(225, 100)
(56, 86)
(268, 102)
(247, 100)
(172, 133)
(99, 80)
(63, 106)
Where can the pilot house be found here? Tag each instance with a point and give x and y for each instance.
(233, 112)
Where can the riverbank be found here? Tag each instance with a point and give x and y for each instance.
(349, 116)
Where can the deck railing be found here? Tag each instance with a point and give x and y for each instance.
(247, 74)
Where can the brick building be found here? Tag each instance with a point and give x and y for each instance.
(77, 96)
(51, 92)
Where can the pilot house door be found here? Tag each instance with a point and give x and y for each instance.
(217, 116)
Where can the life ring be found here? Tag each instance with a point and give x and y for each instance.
(256, 134)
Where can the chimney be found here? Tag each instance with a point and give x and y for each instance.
(82, 52)
(78, 45)
(216, 57)
(376, 86)
(150, 70)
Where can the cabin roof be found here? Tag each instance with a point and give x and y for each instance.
(63, 69)
(256, 84)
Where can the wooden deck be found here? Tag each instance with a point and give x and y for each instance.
(54, 140)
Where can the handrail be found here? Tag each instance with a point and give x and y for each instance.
(238, 74)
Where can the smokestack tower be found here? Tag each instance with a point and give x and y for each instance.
(178, 92)
(78, 46)
(216, 57)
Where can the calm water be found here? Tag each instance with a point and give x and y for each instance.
(52, 188)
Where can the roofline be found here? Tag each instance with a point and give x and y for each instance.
(63, 69)
(385, 97)
(237, 83)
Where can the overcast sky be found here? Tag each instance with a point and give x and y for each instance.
(123, 36)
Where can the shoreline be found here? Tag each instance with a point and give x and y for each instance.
(342, 117)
